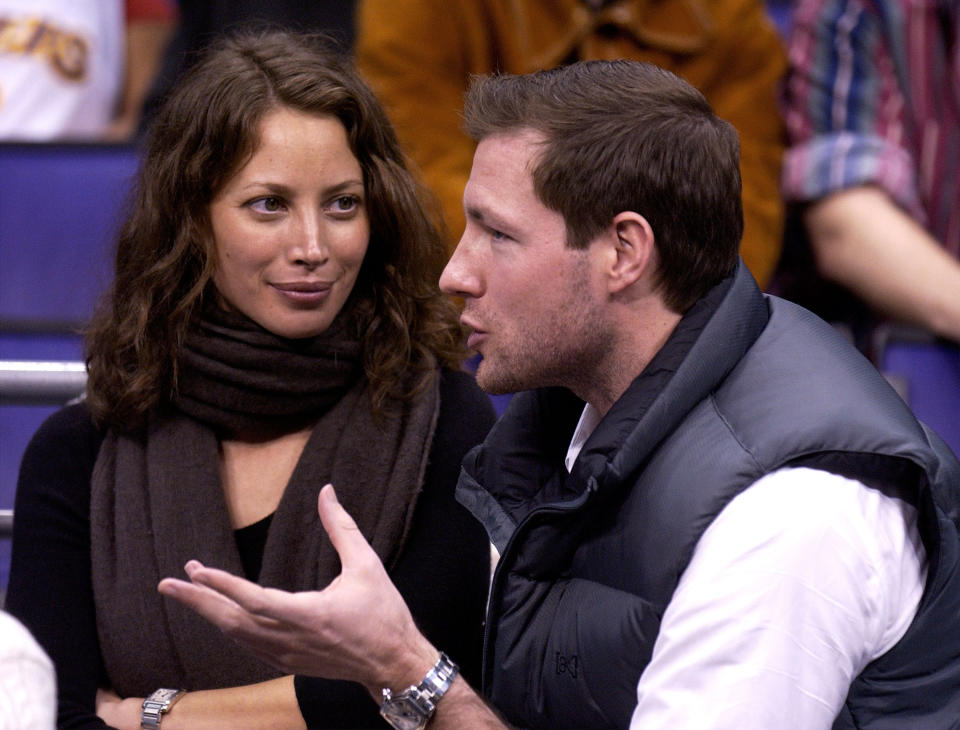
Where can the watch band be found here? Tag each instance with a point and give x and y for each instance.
(438, 680)
(156, 705)
(413, 708)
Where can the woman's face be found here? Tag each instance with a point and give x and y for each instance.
(290, 229)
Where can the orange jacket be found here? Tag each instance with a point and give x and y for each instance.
(419, 54)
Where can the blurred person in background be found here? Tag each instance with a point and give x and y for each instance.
(28, 687)
(419, 55)
(873, 111)
(78, 70)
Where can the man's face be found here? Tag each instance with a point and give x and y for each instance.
(533, 304)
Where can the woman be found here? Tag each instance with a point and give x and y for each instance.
(274, 324)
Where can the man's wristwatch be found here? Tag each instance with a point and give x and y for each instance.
(159, 702)
(413, 708)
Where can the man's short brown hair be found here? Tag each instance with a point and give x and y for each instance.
(625, 135)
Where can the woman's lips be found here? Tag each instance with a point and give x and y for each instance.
(303, 292)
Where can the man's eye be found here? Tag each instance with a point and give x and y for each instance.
(269, 204)
(498, 235)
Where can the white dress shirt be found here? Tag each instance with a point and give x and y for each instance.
(800, 582)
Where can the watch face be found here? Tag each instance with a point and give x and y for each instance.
(404, 714)
(163, 695)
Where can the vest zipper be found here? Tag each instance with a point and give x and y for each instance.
(552, 508)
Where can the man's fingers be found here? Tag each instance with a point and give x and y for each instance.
(346, 537)
(234, 617)
(207, 602)
(250, 630)
(214, 593)
(240, 592)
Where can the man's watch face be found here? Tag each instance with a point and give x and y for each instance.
(403, 713)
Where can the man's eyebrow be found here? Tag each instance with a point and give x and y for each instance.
(485, 217)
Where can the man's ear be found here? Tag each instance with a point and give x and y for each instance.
(633, 252)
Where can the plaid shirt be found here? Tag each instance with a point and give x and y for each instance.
(873, 97)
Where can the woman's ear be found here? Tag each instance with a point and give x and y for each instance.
(633, 252)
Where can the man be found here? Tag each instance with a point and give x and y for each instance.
(710, 511)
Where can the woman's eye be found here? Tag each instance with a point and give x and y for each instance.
(270, 204)
(345, 203)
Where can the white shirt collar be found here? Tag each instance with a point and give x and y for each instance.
(588, 422)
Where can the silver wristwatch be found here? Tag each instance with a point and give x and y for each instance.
(413, 708)
(159, 702)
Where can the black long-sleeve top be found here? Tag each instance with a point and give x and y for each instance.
(442, 573)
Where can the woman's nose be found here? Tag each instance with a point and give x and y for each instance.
(310, 247)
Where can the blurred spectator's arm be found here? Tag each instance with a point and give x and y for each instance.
(845, 111)
(863, 240)
(149, 26)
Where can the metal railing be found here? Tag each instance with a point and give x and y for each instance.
(40, 382)
(36, 382)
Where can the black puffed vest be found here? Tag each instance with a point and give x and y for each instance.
(589, 560)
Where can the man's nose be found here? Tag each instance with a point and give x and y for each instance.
(462, 276)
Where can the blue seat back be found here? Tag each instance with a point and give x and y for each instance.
(60, 209)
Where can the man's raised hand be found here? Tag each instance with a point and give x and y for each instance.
(357, 628)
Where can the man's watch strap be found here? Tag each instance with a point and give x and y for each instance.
(413, 708)
(156, 705)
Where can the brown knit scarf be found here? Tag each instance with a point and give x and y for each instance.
(157, 501)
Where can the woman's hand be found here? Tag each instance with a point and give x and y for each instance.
(123, 714)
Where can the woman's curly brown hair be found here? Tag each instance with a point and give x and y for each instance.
(207, 130)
